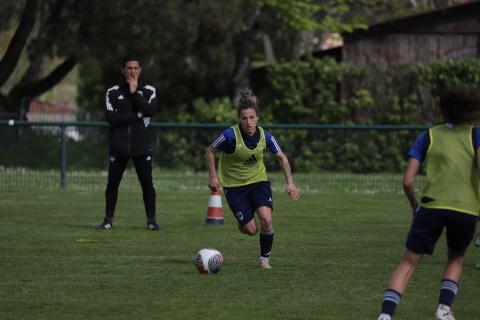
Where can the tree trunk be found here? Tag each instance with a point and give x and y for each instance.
(268, 48)
(245, 48)
(35, 69)
(18, 42)
(36, 88)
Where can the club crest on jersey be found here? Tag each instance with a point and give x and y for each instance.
(239, 215)
(146, 121)
(250, 161)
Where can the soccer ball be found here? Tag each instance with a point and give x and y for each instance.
(209, 260)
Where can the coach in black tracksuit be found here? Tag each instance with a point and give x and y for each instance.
(128, 108)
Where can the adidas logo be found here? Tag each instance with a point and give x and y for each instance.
(250, 161)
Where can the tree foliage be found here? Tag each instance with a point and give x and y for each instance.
(44, 30)
(191, 49)
(322, 91)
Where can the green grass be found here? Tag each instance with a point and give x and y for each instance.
(332, 256)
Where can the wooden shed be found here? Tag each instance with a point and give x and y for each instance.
(447, 33)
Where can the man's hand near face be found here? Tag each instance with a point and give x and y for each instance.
(133, 83)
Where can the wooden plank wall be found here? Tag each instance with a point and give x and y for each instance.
(438, 35)
(396, 49)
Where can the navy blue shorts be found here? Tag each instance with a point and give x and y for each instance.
(428, 225)
(245, 200)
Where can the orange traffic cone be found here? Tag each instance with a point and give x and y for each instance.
(215, 211)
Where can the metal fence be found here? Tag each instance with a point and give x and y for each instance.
(324, 158)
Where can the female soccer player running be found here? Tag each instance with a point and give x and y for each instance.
(242, 173)
(450, 199)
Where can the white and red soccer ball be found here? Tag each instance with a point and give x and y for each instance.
(209, 260)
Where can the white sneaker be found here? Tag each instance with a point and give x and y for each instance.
(384, 316)
(444, 313)
(264, 263)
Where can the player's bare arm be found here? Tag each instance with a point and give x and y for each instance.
(408, 182)
(290, 187)
(213, 182)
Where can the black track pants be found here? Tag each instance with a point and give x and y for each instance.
(116, 168)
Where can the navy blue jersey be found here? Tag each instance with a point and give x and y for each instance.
(226, 141)
(420, 147)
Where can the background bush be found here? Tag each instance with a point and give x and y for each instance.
(301, 92)
(323, 91)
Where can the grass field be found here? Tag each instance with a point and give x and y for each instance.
(332, 257)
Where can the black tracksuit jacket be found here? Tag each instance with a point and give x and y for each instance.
(129, 135)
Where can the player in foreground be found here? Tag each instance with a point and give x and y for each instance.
(243, 175)
(450, 199)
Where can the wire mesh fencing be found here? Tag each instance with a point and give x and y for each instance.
(324, 158)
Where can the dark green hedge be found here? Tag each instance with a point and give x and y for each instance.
(302, 92)
(324, 91)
